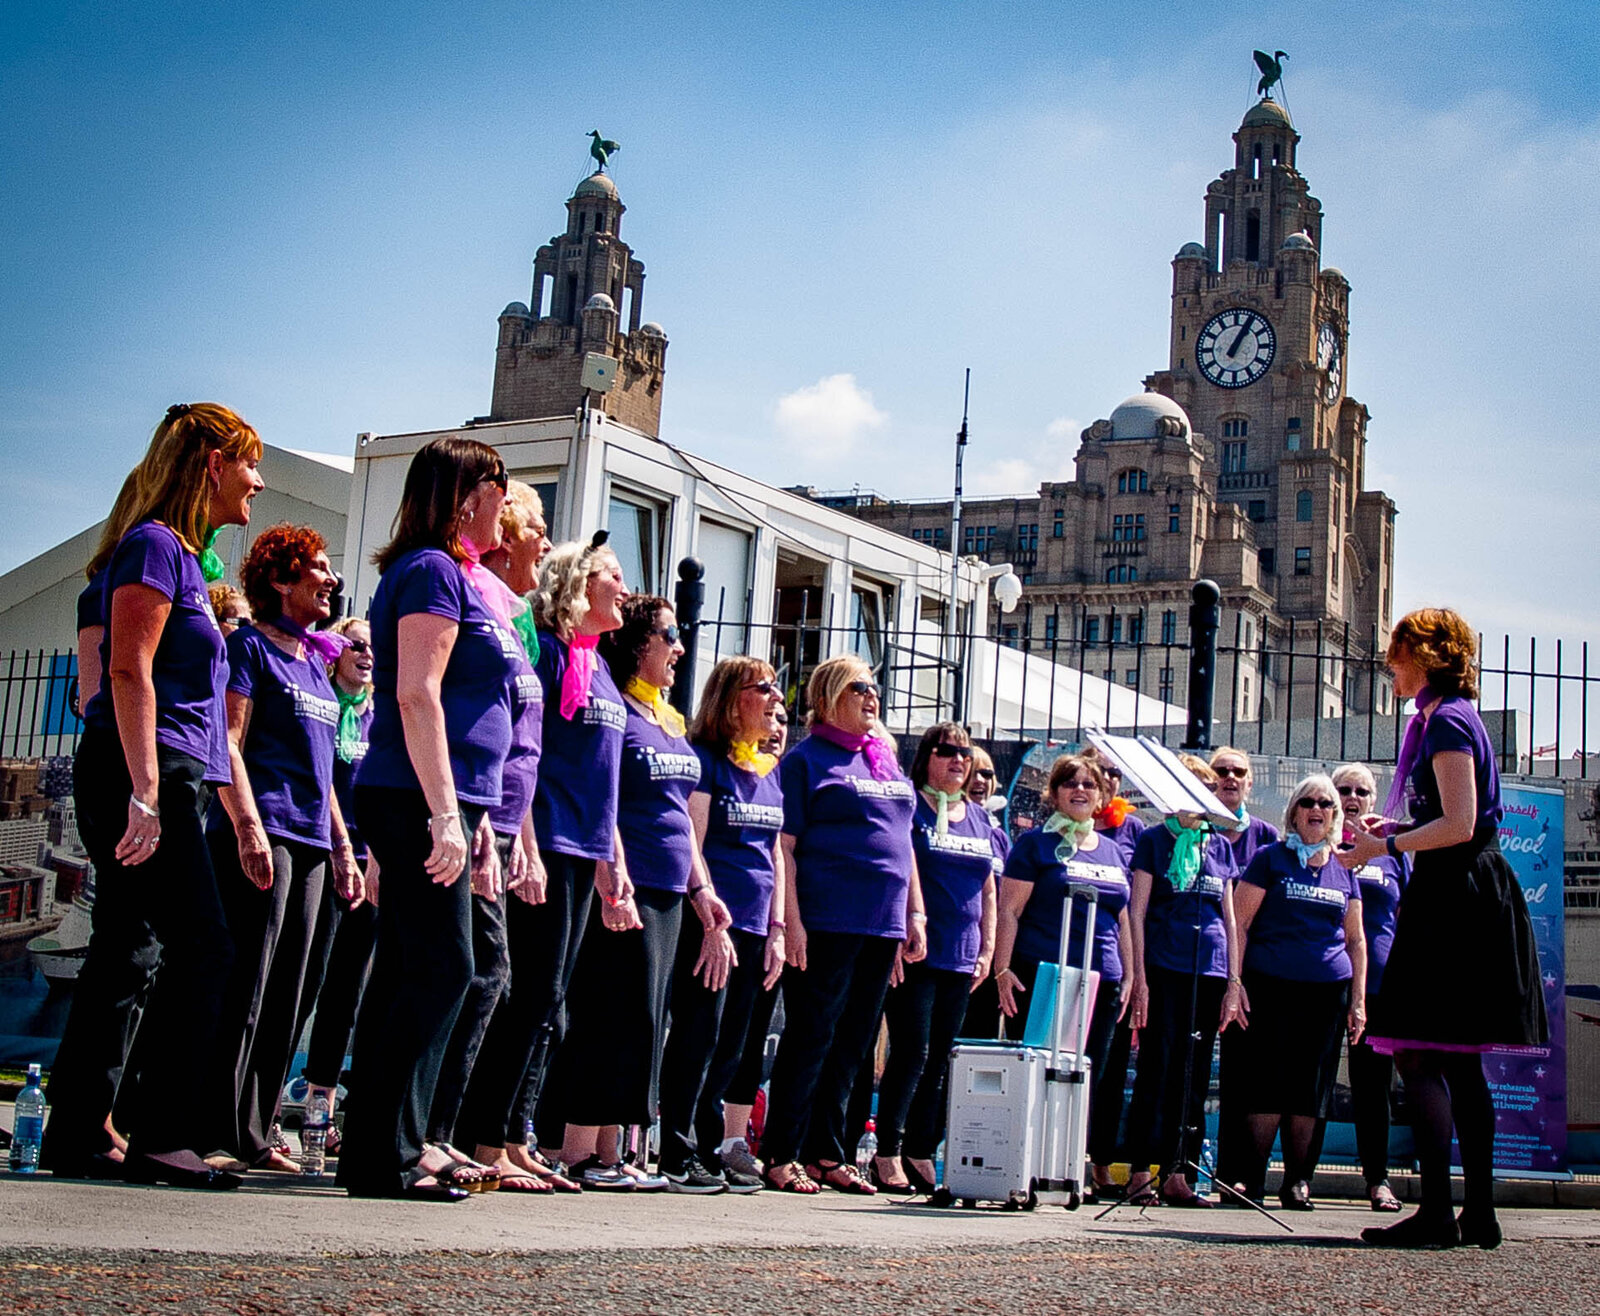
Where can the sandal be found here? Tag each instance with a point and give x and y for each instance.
(878, 1181)
(465, 1173)
(843, 1176)
(1142, 1195)
(1383, 1198)
(518, 1181)
(796, 1179)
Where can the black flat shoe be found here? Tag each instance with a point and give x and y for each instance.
(1297, 1197)
(148, 1171)
(1479, 1230)
(97, 1166)
(915, 1179)
(432, 1192)
(1416, 1232)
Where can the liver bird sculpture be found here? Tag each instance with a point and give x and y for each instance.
(1271, 67)
(601, 149)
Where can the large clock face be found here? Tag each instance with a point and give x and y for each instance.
(1330, 360)
(1235, 348)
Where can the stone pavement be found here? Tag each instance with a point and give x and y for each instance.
(277, 1246)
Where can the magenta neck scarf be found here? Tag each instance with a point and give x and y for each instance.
(497, 596)
(881, 760)
(324, 644)
(1410, 752)
(581, 659)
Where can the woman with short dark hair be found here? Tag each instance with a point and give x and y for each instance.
(146, 752)
(1439, 1009)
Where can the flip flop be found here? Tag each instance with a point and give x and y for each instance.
(519, 1182)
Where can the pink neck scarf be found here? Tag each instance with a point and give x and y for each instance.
(498, 597)
(881, 760)
(581, 659)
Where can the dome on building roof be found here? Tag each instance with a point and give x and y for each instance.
(1299, 242)
(1334, 272)
(597, 184)
(600, 302)
(1267, 113)
(1190, 249)
(515, 308)
(650, 329)
(1149, 416)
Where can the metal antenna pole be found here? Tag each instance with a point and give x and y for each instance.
(955, 550)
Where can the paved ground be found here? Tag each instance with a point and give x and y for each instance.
(278, 1247)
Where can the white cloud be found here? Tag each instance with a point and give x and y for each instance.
(1046, 457)
(828, 416)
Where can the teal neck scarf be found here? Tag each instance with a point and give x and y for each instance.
(211, 564)
(942, 800)
(1304, 850)
(350, 709)
(1188, 848)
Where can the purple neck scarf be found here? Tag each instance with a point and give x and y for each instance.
(1410, 752)
(881, 761)
(323, 644)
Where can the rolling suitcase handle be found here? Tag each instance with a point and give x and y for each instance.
(1091, 897)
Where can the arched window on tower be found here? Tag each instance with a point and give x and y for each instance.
(1252, 235)
(1133, 481)
(1255, 164)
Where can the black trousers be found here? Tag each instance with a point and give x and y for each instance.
(1371, 1082)
(542, 941)
(1110, 1095)
(1155, 1116)
(924, 1013)
(750, 1072)
(491, 971)
(608, 1067)
(273, 932)
(160, 934)
(344, 980)
(705, 1044)
(420, 975)
(832, 1011)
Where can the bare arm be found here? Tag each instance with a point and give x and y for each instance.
(1013, 899)
(425, 644)
(1241, 901)
(1458, 798)
(773, 959)
(138, 616)
(987, 919)
(1138, 906)
(916, 943)
(1355, 942)
(238, 798)
(717, 957)
(794, 929)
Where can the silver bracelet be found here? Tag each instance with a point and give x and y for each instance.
(444, 817)
(143, 808)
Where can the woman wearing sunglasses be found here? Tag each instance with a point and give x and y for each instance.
(606, 1076)
(1068, 850)
(1302, 956)
(853, 910)
(953, 842)
(737, 811)
(1383, 881)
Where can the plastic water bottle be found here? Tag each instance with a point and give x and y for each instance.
(28, 1128)
(314, 1126)
(866, 1149)
(1207, 1167)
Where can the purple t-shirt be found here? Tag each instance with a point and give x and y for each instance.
(659, 772)
(1002, 838)
(521, 773)
(289, 745)
(91, 603)
(1125, 835)
(1105, 868)
(742, 826)
(1256, 836)
(1169, 921)
(1382, 881)
(344, 780)
(189, 670)
(852, 840)
(575, 803)
(475, 692)
(1455, 727)
(953, 869)
(1298, 933)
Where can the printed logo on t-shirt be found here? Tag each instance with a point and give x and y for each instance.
(1372, 873)
(1099, 874)
(764, 817)
(360, 752)
(1316, 895)
(1208, 885)
(527, 690)
(510, 646)
(881, 790)
(309, 707)
(950, 843)
(667, 766)
(202, 601)
(605, 713)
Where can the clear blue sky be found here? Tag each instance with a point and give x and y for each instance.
(314, 213)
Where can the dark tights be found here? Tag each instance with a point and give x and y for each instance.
(1302, 1145)
(1446, 1089)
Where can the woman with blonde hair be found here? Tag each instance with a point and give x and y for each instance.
(853, 911)
(737, 812)
(1440, 1008)
(140, 771)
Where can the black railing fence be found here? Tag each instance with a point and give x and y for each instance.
(38, 704)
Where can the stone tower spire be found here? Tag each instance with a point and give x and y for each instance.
(1263, 199)
(586, 285)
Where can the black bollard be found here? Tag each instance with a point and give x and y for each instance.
(688, 600)
(1204, 617)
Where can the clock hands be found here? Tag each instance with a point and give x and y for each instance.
(1238, 338)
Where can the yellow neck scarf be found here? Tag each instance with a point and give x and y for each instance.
(745, 755)
(654, 698)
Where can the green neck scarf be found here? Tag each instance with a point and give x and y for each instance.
(522, 623)
(350, 709)
(1188, 849)
(1071, 831)
(942, 800)
(211, 564)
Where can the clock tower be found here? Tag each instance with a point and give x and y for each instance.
(1258, 352)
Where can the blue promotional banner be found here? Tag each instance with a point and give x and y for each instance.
(1529, 1085)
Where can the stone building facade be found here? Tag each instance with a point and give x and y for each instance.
(586, 285)
(1243, 461)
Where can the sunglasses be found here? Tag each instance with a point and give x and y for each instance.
(359, 646)
(944, 751)
(1309, 803)
(862, 688)
(667, 633)
(1240, 773)
(1360, 792)
(1079, 786)
(768, 688)
(986, 773)
(499, 479)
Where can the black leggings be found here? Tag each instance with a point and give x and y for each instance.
(333, 1022)
(1156, 1130)
(924, 1014)
(1445, 1089)
(491, 970)
(750, 1072)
